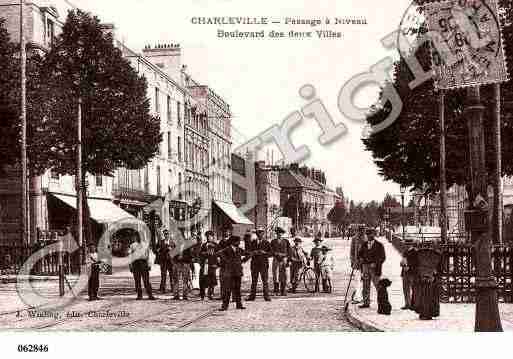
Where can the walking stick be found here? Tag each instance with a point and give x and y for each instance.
(346, 304)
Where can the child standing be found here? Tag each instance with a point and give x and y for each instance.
(326, 264)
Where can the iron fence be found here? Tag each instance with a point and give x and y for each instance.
(457, 272)
(12, 259)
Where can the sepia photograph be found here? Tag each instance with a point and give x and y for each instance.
(229, 172)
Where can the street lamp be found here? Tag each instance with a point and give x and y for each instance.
(402, 189)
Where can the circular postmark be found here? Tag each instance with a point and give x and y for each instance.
(412, 25)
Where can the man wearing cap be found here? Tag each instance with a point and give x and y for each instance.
(208, 266)
(280, 249)
(94, 272)
(260, 251)
(231, 262)
(315, 255)
(371, 256)
(298, 258)
(164, 260)
(224, 243)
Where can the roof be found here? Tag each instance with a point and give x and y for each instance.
(291, 179)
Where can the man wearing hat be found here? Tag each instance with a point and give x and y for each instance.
(371, 256)
(356, 243)
(260, 251)
(315, 255)
(280, 248)
(231, 262)
(298, 258)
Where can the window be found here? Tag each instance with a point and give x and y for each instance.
(169, 109)
(50, 32)
(179, 144)
(157, 100)
(99, 181)
(159, 189)
(179, 113)
(169, 147)
(146, 180)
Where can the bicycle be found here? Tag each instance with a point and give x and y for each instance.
(309, 278)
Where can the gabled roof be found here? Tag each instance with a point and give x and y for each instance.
(291, 179)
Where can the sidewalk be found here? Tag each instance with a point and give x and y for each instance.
(453, 317)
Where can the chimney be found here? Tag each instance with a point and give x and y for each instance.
(168, 57)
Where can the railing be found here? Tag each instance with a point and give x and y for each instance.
(457, 272)
(13, 257)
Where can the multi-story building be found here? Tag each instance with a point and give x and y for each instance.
(52, 198)
(155, 188)
(220, 143)
(268, 207)
(302, 200)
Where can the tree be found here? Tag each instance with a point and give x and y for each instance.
(337, 215)
(117, 127)
(407, 152)
(10, 89)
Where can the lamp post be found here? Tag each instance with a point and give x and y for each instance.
(23, 118)
(403, 191)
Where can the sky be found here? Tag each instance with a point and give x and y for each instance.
(261, 78)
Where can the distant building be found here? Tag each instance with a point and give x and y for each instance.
(269, 207)
(302, 200)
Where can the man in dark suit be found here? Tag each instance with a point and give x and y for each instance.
(231, 262)
(371, 256)
(280, 249)
(260, 251)
(224, 243)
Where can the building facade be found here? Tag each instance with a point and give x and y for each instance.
(302, 200)
(219, 167)
(269, 207)
(163, 187)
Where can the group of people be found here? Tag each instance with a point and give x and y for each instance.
(221, 262)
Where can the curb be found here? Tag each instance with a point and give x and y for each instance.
(356, 319)
(13, 279)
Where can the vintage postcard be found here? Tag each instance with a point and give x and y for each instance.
(223, 166)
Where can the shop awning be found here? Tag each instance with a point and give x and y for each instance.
(101, 210)
(232, 212)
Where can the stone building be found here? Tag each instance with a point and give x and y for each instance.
(268, 208)
(302, 200)
(219, 168)
(154, 188)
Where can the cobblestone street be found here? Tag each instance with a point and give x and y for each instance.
(298, 312)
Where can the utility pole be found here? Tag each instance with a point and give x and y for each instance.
(487, 318)
(80, 204)
(23, 115)
(443, 184)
